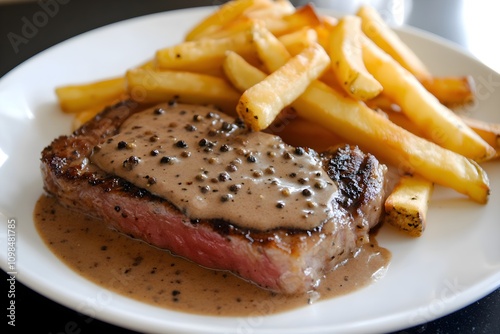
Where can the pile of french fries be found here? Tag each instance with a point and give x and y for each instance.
(317, 81)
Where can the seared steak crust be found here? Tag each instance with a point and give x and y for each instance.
(282, 260)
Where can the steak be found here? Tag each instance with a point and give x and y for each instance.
(284, 256)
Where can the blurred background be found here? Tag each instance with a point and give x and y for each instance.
(471, 24)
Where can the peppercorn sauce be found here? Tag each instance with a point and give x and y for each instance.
(134, 269)
(211, 166)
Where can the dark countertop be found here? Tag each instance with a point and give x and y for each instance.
(454, 20)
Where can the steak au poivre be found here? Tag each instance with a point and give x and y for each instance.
(196, 182)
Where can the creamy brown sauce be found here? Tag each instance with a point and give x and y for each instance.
(210, 167)
(139, 271)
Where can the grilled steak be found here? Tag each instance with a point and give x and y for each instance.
(196, 216)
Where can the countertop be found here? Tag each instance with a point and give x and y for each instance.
(470, 24)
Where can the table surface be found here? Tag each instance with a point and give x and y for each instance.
(470, 24)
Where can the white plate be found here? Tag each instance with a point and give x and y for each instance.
(455, 263)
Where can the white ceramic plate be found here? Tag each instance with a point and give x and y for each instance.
(455, 263)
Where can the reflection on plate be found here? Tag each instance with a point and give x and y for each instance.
(456, 262)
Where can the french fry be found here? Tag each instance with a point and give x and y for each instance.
(222, 16)
(86, 115)
(298, 40)
(276, 10)
(146, 86)
(233, 28)
(240, 73)
(440, 124)
(260, 104)
(451, 91)
(490, 132)
(323, 30)
(406, 206)
(382, 102)
(345, 48)
(262, 38)
(203, 55)
(305, 16)
(75, 98)
(379, 32)
(360, 125)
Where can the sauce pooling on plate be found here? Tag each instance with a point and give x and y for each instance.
(134, 269)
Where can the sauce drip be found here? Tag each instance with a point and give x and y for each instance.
(210, 166)
(137, 270)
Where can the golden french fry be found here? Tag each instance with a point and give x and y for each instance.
(440, 124)
(222, 16)
(75, 98)
(400, 119)
(379, 32)
(205, 54)
(382, 102)
(323, 30)
(360, 125)
(304, 16)
(295, 130)
(298, 40)
(490, 132)
(233, 28)
(451, 91)
(260, 104)
(246, 74)
(406, 206)
(345, 47)
(262, 38)
(276, 10)
(146, 86)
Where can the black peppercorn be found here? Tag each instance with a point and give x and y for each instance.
(131, 162)
(235, 188)
(190, 127)
(226, 198)
(121, 145)
(224, 177)
(299, 151)
(303, 180)
(226, 126)
(165, 160)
